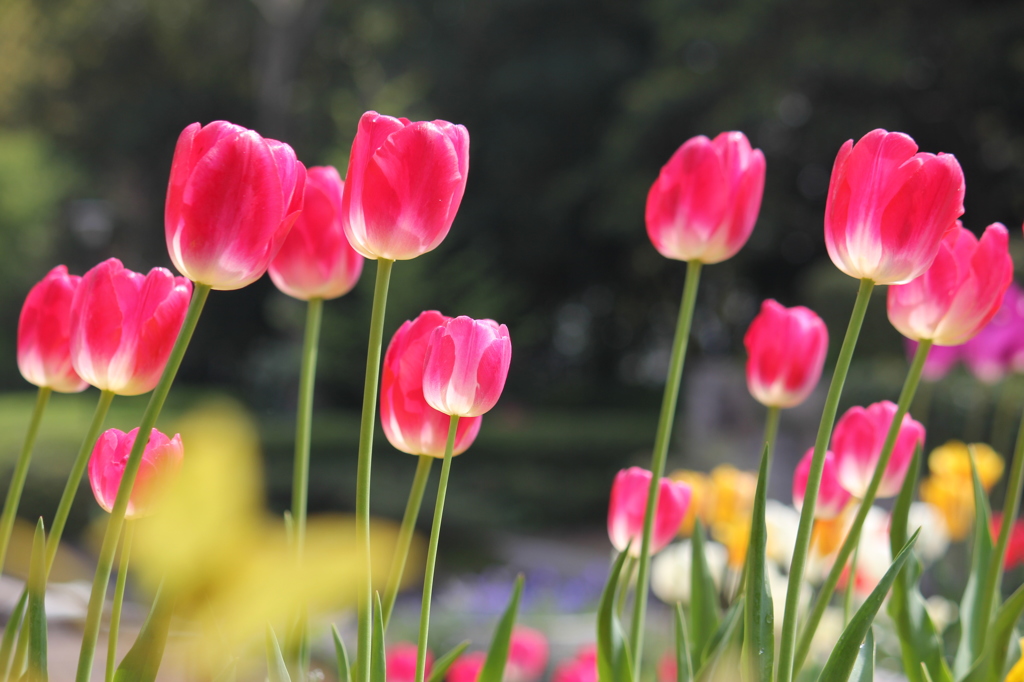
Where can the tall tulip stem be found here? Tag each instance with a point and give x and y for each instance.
(106, 558)
(21, 472)
(115, 613)
(784, 671)
(304, 420)
(366, 427)
(412, 512)
(661, 441)
(771, 431)
(435, 533)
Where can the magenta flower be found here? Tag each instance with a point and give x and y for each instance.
(467, 667)
(44, 333)
(628, 506)
(786, 350)
(999, 346)
(466, 366)
(161, 459)
(527, 655)
(581, 668)
(832, 496)
(400, 662)
(857, 443)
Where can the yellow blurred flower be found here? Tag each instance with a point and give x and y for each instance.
(736, 538)
(700, 486)
(953, 460)
(954, 498)
(731, 499)
(1016, 673)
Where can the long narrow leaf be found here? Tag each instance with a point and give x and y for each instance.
(277, 671)
(497, 654)
(142, 662)
(759, 627)
(36, 671)
(724, 646)
(378, 657)
(610, 641)
(11, 633)
(441, 666)
(864, 667)
(973, 614)
(993, 660)
(704, 612)
(341, 654)
(684, 673)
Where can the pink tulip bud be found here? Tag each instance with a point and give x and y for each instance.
(316, 260)
(124, 324)
(832, 496)
(467, 667)
(962, 290)
(628, 506)
(161, 458)
(704, 204)
(857, 443)
(44, 330)
(581, 668)
(410, 424)
(888, 207)
(785, 354)
(400, 662)
(527, 655)
(231, 200)
(404, 185)
(466, 366)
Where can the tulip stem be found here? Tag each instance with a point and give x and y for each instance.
(21, 472)
(412, 512)
(106, 557)
(435, 533)
(115, 613)
(784, 671)
(662, 437)
(366, 428)
(771, 432)
(304, 420)
(851, 584)
(853, 535)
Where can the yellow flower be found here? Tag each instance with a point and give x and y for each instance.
(736, 538)
(952, 460)
(732, 496)
(1016, 673)
(700, 485)
(954, 498)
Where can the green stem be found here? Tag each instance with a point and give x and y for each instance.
(435, 533)
(771, 432)
(661, 441)
(115, 614)
(304, 420)
(366, 427)
(853, 535)
(624, 581)
(21, 472)
(851, 585)
(784, 671)
(106, 558)
(412, 512)
(81, 463)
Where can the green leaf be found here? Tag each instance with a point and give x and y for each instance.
(36, 671)
(441, 666)
(497, 654)
(277, 671)
(973, 614)
(864, 667)
(759, 615)
(684, 672)
(704, 611)
(142, 662)
(723, 646)
(993, 660)
(378, 657)
(11, 633)
(844, 654)
(341, 654)
(611, 644)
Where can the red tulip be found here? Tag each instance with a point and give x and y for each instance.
(162, 458)
(857, 443)
(832, 496)
(527, 655)
(1015, 547)
(466, 366)
(467, 667)
(962, 290)
(231, 200)
(410, 424)
(704, 204)
(124, 324)
(888, 207)
(628, 506)
(581, 668)
(400, 662)
(785, 354)
(404, 185)
(44, 330)
(316, 260)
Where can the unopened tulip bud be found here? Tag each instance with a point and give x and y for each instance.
(628, 507)
(161, 458)
(44, 331)
(466, 366)
(786, 350)
(857, 442)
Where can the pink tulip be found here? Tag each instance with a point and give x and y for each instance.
(962, 290)
(161, 459)
(400, 662)
(410, 424)
(467, 667)
(832, 496)
(316, 260)
(231, 201)
(705, 201)
(628, 506)
(404, 185)
(581, 668)
(999, 347)
(785, 354)
(527, 655)
(124, 324)
(857, 443)
(888, 207)
(44, 330)
(466, 366)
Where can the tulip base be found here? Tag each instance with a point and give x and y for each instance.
(17, 485)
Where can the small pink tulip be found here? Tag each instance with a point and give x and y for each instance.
(467, 667)
(527, 655)
(400, 662)
(962, 290)
(857, 443)
(404, 184)
(231, 200)
(44, 330)
(580, 668)
(124, 324)
(999, 347)
(316, 260)
(888, 207)
(410, 424)
(704, 204)
(832, 496)
(628, 506)
(786, 350)
(466, 366)
(161, 458)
